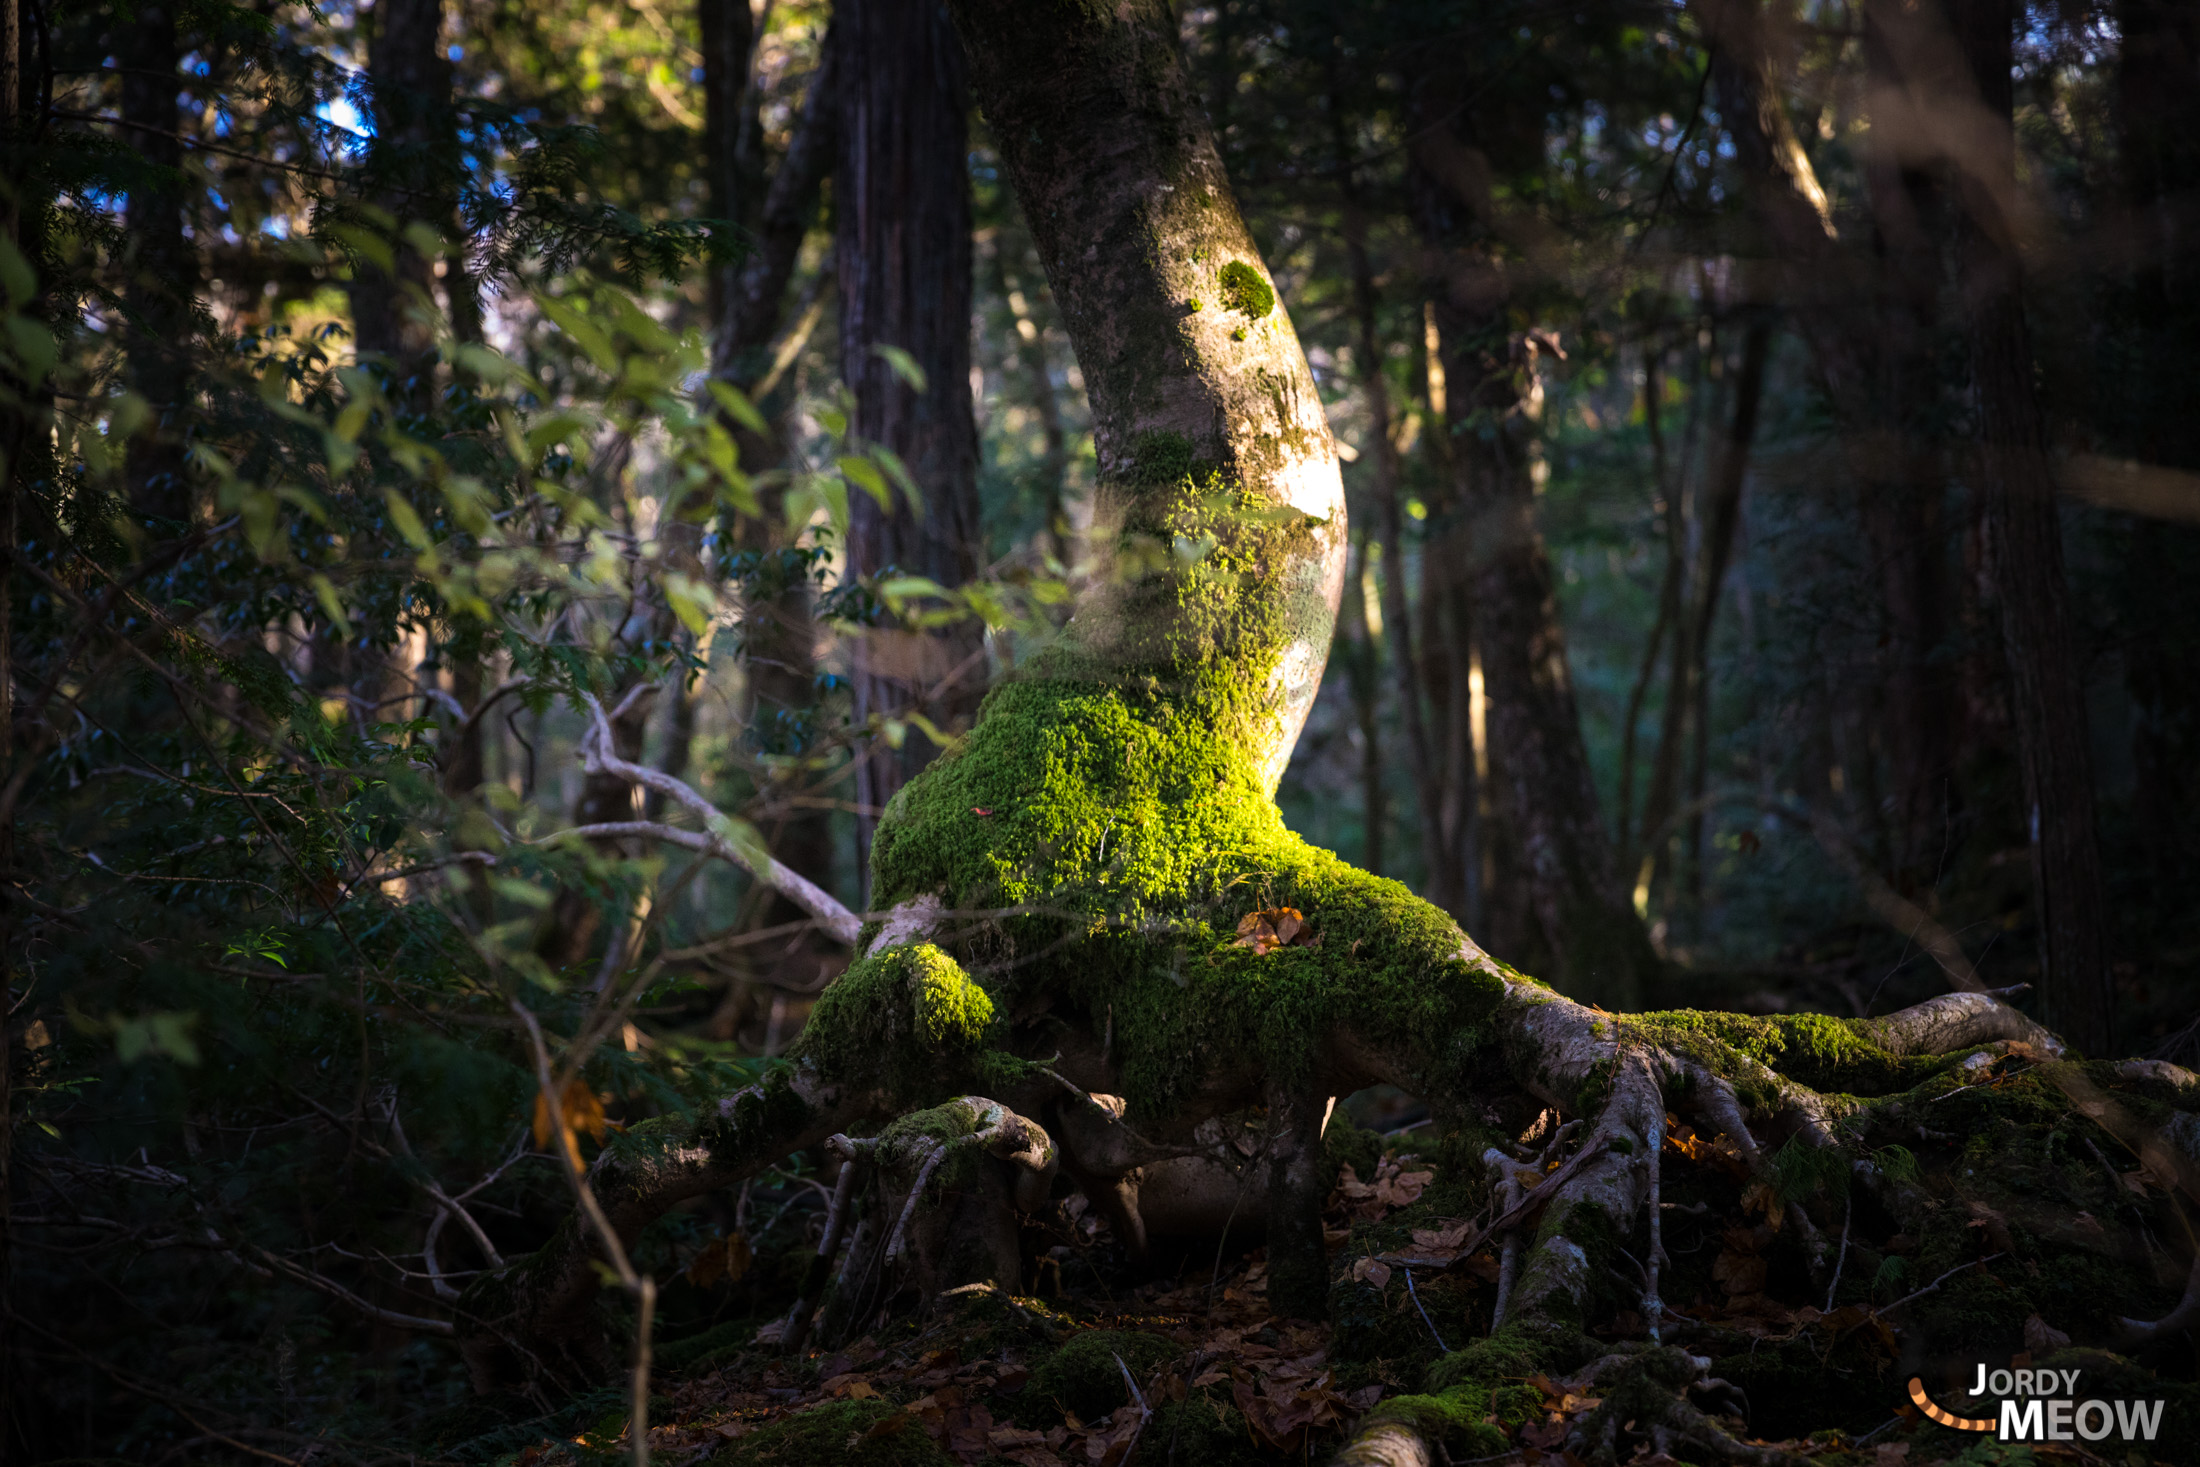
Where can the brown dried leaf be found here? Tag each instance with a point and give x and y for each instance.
(723, 1260)
(1738, 1273)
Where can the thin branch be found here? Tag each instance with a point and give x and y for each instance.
(643, 1287)
(725, 839)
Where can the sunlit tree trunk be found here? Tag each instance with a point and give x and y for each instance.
(902, 209)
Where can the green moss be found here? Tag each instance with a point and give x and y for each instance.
(1082, 1377)
(1200, 1431)
(838, 1434)
(910, 1017)
(1125, 807)
(1347, 1144)
(1245, 290)
(1822, 1052)
(1454, 1420)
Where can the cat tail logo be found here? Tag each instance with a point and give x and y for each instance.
(1924, 1403)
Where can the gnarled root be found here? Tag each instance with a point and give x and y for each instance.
(938, 1193)
(541, 1315)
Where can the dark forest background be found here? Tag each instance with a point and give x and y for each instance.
(1772, 445)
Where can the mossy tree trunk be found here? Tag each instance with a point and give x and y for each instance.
(1096, 923)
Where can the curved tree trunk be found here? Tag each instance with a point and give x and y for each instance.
(1096, 919)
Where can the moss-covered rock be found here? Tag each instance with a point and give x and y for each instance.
(1082, 1376)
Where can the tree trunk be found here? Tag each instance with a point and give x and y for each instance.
(2024, 537)
(748, 315)
(1363, 661)
(2157, 116)
(1667, 494)
(1440, 847)
(1544, 795)
(162, 267)
(411, 168)
(1722, 517)
(1029, 343)
(902, 206)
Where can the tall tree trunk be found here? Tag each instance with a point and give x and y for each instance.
(1544, 794)
(1667, 493)
(412, 166)
(1721, 516)
(902, 208)
(1868, 319)
(1440, 847)
(1028, 343)
(1363, 658)
(2024, 536)
(1900, 470)
(2157, 116)
(749, 301)
(1135, 221)
(162, 267)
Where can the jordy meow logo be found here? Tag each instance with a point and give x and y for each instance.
(2042, 1406)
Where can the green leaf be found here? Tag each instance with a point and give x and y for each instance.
(865, 476)
(735, 404)
(904, 365)
(594, 343)
(406, 521)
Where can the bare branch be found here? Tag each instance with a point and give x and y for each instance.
(724, 839)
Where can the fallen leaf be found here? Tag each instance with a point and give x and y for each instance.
(1369, 1271)
(1738, 1273)
(1265, 931)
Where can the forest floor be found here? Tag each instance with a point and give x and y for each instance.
(1096, 1369)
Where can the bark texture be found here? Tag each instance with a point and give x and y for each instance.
(162, 265)
(902, 208)
(1192, 367)
(411, 168)
(1569, 897)
(2024, 536)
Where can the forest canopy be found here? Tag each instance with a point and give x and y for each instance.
(1004, 731)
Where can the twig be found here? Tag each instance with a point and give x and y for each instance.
(1542, 1193)
(909, 1208)
(1847, 1203)
(725, 838)
(643, 1287)
(1415, 1295)
(1936, 1283)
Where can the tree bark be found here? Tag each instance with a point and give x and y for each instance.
(1545, 797)
(748, 316)
(2157, 118)
(2024, 536)
(412, 170)
(1722, 517)
(162, 267)
(902, 206)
